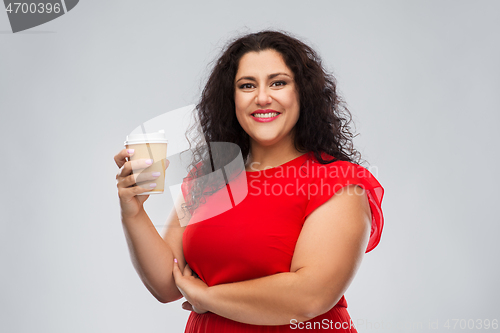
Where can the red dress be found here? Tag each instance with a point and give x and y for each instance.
(256, 235)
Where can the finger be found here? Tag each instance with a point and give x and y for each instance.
(187, 271)
(134, 167)
(121, 157)
(176, 270)
(140, 178)
(167, 163)
(187, 306)
(129, 183)
(146, 176)
(128, 193)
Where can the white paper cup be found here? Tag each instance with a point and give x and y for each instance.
(150, 146)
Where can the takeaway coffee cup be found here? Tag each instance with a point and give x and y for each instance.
(150, 146)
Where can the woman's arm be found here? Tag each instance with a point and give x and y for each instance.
(151, 255)
(327, 255)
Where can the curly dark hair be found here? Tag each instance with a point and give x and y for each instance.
(323, 124)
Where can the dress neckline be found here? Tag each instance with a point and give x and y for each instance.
(299, 159)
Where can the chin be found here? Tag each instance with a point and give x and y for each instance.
(266, 141)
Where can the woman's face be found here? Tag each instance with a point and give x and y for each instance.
(266, 98)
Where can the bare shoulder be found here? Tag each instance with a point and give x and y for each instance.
(340, 226)
(350, 198)
(348, 203)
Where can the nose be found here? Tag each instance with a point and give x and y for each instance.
(263, 97)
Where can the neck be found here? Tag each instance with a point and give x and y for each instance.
(263, 157)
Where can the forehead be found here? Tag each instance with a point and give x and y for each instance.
(263, 62)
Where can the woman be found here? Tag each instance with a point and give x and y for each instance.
(282, 258)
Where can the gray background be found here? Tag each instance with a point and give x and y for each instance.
(420, 77)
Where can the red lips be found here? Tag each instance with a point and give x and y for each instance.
(265, 119)
(265, 111)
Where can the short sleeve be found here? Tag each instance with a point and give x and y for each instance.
(329, 178)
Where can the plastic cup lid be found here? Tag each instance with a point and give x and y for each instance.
(155, 137)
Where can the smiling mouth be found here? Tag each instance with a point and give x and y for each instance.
(265, 114)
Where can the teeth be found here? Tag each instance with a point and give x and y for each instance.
(265, 115)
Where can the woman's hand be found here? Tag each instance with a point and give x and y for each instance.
(131, 182)
(192, 288)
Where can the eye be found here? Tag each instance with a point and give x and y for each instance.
(246, 86)
(278, 83)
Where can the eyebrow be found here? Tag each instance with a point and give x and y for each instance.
(270, 76)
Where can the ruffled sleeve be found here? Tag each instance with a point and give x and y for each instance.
(332, 177)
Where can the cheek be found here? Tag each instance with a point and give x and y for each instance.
(296, 116)
(294, 104)
(239, 103)
(239, 110)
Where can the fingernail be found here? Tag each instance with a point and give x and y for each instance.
(175, 260)
(149, 162)
(130, 151)
(152, 185)
(156, 174)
